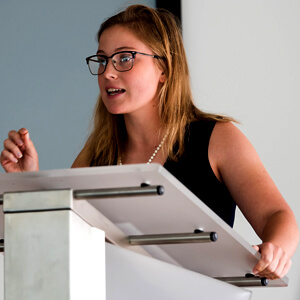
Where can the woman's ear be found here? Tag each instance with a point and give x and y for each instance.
(162, 78)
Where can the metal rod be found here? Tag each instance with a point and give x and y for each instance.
(1, 245)
(115, 192)
(245, 281)
(118, 192)
(175, 238)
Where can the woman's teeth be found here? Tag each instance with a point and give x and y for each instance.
(113, 92)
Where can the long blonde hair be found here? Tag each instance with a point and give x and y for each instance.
(161, 32)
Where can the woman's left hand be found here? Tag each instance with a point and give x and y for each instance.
(274, 262)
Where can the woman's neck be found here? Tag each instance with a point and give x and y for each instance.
(144, 134)
(143, 128)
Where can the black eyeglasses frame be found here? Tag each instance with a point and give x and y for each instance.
(133, 53)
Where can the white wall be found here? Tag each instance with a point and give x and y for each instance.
(244, 62)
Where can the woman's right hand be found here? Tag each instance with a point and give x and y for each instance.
(19, 153)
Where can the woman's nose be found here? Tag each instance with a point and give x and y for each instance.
(110, 71)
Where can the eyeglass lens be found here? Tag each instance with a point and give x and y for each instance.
(121, 61)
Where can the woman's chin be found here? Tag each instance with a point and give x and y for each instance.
(116, 110)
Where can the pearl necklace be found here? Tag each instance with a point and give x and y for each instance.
(152, 156)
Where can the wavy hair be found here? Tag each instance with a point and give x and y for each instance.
(161, 32)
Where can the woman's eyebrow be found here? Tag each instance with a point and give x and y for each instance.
(117, 49)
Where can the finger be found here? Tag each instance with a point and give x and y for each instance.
(271, 270)
(281, 269)
(286, 268)
(15, 137)
(283, 259)
(23, 131)
(12, 148)
(256, 247)
(279, 259)
(24, 134)
(7, 157)
(28, 144)
(25, 137)
(266, 258)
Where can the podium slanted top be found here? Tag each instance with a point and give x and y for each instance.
(178, 210)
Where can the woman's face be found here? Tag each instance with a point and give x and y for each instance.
(135, 90)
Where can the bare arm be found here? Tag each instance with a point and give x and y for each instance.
(236, 163)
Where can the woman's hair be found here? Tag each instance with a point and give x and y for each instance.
(161, 32)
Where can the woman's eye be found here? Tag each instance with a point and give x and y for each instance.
(102, 61)
(125, 59)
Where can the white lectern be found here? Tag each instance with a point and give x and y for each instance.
(162, 241)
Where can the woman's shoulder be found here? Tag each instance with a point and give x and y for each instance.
(213, 126)
(215, 131)
(228, 134)
(229, 148)
(227, 139)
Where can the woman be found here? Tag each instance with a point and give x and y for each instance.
(145, 113)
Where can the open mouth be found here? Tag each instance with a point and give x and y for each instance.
(113, 92)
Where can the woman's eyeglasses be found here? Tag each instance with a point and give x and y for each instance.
(122, 61)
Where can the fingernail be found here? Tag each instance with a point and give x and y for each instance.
(14, 160)
(20, 142)
(19, 154)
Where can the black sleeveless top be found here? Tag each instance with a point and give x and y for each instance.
(194, 171)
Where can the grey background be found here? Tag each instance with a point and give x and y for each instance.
(44, 80)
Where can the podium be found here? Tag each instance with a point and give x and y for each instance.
(118, 232)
